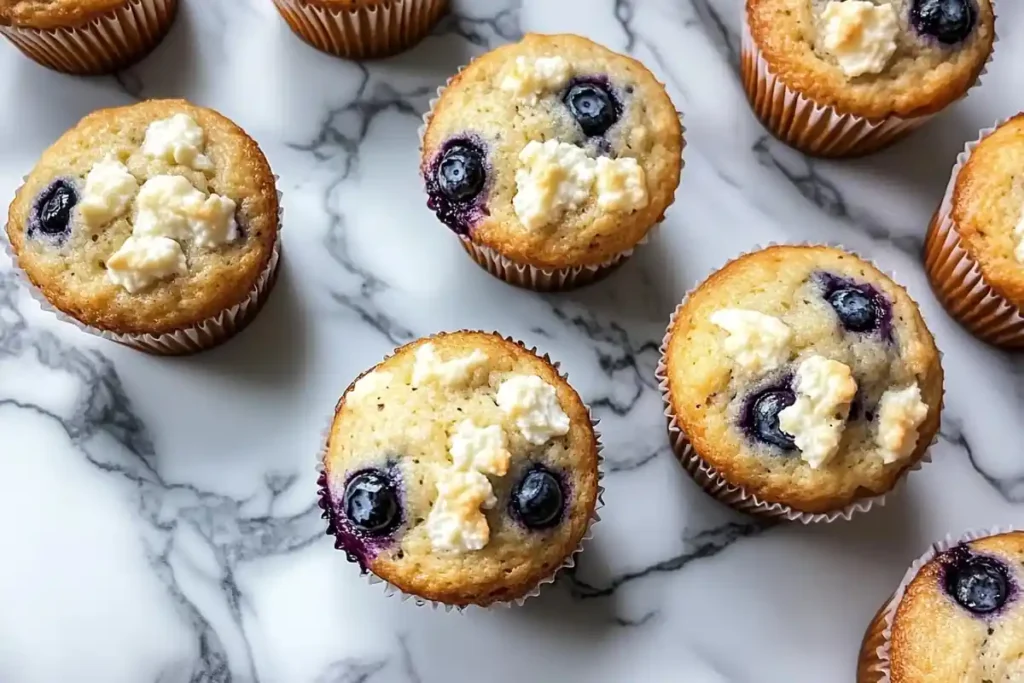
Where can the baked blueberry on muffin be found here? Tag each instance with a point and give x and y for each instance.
(974, 252)
(848, 77)
(957, 618)
(551, 158)
(800, 381)
(86, 36)
(361, 29)
(461, 470)
(155, 225)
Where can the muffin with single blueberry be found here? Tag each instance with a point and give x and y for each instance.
(86, 36)
(974, 251)
(154, 225)
(843, 78)
(551, 158)
(800, 382)
(462, 470)
(957, 617)
(361, 29)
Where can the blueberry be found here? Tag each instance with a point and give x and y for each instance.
(371, 503)
(593, 107)
(856, 310)
(51, 213)
(761, 417)
(949, 21)
(537, 499)
(978, 583)
(460, 173)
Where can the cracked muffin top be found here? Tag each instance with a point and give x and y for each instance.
(875, 58)
(45, 14)
(805, 376)
(553, 151)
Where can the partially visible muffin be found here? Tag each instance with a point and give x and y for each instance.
(462, 470)
(86, 36)
(154, 224)
(800, 380)
(552, 155)
(848, 77)
(361, 29)
(974, 251)
(958, 619)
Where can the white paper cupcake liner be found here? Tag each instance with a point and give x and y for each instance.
(362, 30)
(570, 560)
(532, 277)
(712, 481)
(875, 656)
(956, 277)
(109, 42)
(199, 337)
(816, 129)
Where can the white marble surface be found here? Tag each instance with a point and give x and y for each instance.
(157, 516)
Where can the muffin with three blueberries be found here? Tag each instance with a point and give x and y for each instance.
(154, 225)
(86, 37)
(462, 470)
(551, 159)
(800, 382)
(957, 617)
(842, 78)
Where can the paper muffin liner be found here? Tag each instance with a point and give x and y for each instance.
(873, 664)
(712, 481)
(324, 497)
(532, 277)
(362, 29)
(204, 335)
(817, 129)
(109, 42)
(956, 277)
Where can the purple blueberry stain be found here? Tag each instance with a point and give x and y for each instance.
(50, 219)
(538, 499)
(759, 417)
(366, 514)
(980, 584)
(456, 183)
(860, 307)
(591, 101)
(947, 21)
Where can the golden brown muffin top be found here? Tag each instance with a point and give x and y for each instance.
(754, 342)
(455, 424)
(71, 268)
(510, 107)
(988, 208)
(961, 619)
(921, 75)
(54, 13)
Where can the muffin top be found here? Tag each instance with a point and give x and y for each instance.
(805, 376)
(988, 208)
(53, 13)
(961, 619)
(875, 58)
(147, 218)
(553, 151)
(463, 469)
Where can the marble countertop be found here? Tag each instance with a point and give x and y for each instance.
(158, 515)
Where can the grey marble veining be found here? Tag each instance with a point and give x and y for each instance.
(159, 516)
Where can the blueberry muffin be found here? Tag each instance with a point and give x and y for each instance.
(974, 252)
(800, 380)
(461, 470)
(848, 77)
(86, 36)
(361, 29)
(552, 158)
(957, 619)
(155, 225)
